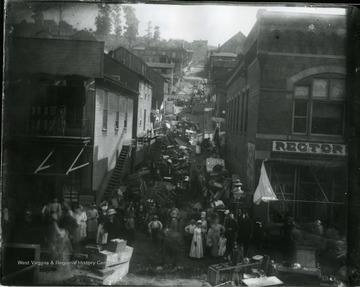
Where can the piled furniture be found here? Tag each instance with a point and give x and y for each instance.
(224, 272)
(110, 264)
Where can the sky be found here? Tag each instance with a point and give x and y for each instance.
(215, 23)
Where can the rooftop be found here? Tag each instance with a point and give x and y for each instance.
(161, 65)
(224, 54)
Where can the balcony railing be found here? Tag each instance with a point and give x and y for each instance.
(59, 124)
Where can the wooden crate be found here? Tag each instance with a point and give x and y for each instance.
(220, 273)
(306, 257)
(106, 258)
(116, 245)
(119, 272)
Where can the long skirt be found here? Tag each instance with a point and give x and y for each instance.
(196, 250)
(102, 236)
(92, 225)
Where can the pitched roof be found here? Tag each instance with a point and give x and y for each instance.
(224, 54)
(233, 43)
(161, 65)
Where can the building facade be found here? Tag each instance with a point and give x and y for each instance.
(66, 122)
(286, 108)
(166, 55)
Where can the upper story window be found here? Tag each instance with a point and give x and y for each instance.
(319, 106)
(105, 110)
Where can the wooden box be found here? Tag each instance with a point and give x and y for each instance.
(107, 258)
(92, 248)
(218, 273)
(223, 272)
(119, 272)
(306, 257)
(116, 245)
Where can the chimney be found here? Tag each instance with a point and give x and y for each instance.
(218, 48)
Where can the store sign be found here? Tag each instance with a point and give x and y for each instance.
(309, 148)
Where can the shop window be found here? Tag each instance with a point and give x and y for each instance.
(319, 107)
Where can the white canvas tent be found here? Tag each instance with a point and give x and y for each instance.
(264, 191)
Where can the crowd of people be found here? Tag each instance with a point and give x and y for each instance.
(205, 232)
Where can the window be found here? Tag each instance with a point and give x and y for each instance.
(105, 111)
(144, 120)
(242, 111)
(234, 113)
(320, 88)
(319, 106)
(117, 115)
(126, 114)
(237, 112)
(337, 89)
(300, 116)
(140, 116)
(246, 111)
(327, 118)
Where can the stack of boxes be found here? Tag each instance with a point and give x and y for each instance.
(112, 263)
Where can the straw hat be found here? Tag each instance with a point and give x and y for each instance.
(111, 211)
(198, 222)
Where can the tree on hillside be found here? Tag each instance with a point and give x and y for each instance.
(132, 24)
(102, 20)
(116, 20)
(149, 33)
(157, 33)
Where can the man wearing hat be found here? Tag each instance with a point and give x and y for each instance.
(231, 227)
(155, 226)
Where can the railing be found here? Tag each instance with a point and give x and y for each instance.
(57, 121)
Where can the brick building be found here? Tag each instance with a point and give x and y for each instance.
(286, 105)
(220, 65)
(66, 121)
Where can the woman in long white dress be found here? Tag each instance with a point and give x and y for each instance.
(80, 232)
(196, 249)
